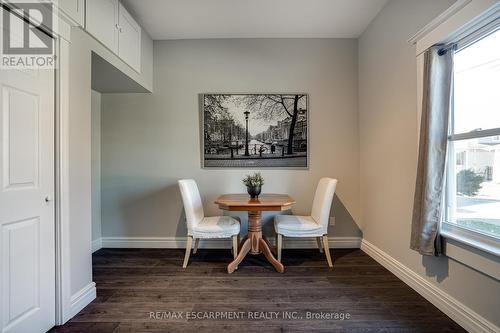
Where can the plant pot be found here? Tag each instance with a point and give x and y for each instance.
(254, 191)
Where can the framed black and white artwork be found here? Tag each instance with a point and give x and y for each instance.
(255, 130)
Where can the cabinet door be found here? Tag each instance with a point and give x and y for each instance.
(75, 9)
(102, 22)
(129, 40)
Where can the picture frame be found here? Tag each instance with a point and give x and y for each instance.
(252, 130)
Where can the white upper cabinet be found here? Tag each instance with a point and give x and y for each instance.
(129, 39)
(102, 22)
(110, 23)
(75, 9)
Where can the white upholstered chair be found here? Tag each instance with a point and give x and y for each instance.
(200, 226)
(315, 225)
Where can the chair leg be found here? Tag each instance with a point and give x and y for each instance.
(235, 246)
(196, 244)
(237, 242)
(320, 247)
(189, 244)
(279, 244)
(326, 248)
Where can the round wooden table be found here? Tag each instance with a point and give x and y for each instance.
(254, 243)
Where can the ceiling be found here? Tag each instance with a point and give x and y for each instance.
(199, 19)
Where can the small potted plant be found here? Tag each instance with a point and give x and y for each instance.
(254, 184)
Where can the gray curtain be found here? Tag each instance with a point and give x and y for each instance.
(429, 190)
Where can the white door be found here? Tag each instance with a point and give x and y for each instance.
(129, 40)
(102, 22)
(27, 251)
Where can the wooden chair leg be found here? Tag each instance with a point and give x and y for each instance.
(238, 243)
(235, 246)
(320, 246)
(196, 243)
(326, 248)
(279, 244)
(189, 244)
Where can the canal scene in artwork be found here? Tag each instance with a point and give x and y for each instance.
(255, 130)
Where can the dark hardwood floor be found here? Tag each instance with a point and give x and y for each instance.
(133, 283)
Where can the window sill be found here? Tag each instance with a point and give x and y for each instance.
(475, 250)
(473, 239)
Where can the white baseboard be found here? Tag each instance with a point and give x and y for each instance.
(96, 244)
(82, 298)
(460, 313)
(180, 242)
(310, 243)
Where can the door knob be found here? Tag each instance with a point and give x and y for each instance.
(48, 198)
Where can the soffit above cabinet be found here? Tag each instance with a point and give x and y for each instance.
(106, 78)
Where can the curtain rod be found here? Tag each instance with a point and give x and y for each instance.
(447, 47)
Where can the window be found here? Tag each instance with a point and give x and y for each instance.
(473, 167)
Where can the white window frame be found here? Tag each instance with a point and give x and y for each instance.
(448, 229)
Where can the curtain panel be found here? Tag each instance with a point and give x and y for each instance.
(429, 190)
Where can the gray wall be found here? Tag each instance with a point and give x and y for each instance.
(96, 164)
(149, 141)
(388, 142)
